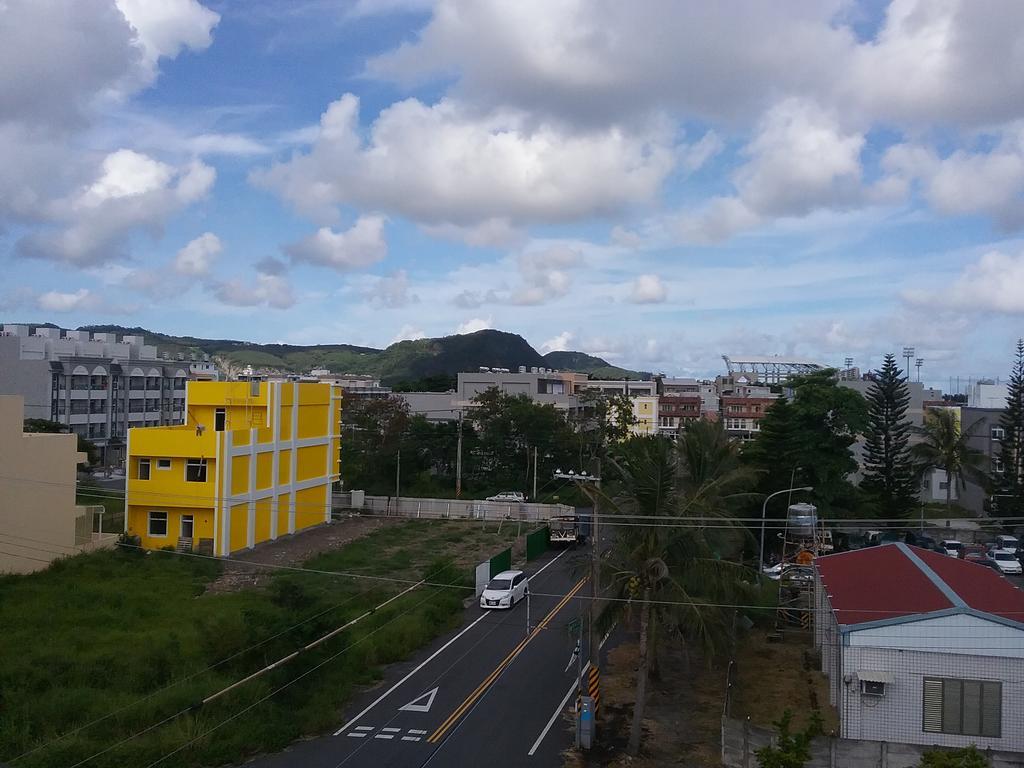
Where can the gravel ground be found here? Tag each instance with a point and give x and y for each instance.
(243, 570)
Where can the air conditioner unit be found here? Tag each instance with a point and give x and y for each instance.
(872, 688)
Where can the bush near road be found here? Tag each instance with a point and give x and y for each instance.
(100, 632)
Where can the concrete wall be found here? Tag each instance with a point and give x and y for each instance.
(28, 378)
(37, 493)
(741, 739)
(447, 508)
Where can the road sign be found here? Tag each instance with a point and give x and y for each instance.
(418, 704)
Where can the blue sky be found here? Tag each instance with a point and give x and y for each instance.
(658, 183)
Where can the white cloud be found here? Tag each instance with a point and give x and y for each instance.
(475, 324)
(358, 247)
(800, 160)
(492, 233)
(591, 63)
(994, 283)
(392, 291)
(964, 182)
(196, 258)
(55, 301)
(648, 289)
(696, 155)
(408, 333)
(950, 61)
(480, 167)
(266, 290)
(559, 343)
(132, 191)
(164, 28)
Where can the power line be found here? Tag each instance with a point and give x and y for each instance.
(286, 685)
(691, 521)
(192, 676)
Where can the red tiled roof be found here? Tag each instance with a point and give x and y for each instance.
(885, 582)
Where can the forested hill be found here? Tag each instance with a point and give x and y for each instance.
(402, 362)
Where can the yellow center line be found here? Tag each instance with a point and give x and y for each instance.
(480, 689)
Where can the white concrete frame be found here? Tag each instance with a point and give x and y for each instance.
(276, 489)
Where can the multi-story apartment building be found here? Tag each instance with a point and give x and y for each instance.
(741, 414)
(675, 411)
(254, 462)
(38, 515)
(94, 384)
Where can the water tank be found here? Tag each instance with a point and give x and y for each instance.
(802, 519)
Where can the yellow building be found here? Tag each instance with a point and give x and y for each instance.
(645, 415)
(253, 462)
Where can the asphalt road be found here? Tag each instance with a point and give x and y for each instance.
(489, 693)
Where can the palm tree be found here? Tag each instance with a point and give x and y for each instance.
(661, 566)
(945, 446)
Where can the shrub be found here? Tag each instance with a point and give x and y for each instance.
(968, 757)
(792, 750)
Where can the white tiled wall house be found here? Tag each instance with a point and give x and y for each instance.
(921, 648)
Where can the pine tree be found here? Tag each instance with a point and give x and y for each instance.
(1009, 484)
(888, 468)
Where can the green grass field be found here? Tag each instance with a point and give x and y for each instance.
(134, 637)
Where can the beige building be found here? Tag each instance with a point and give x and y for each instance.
(39, 520)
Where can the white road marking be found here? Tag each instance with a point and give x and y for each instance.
(558, 710)
(384, 736)
(391, 730)
(364, 727)
(419, 733)
(410, 738)
(412, 706)
(357, 735)
(432, 656)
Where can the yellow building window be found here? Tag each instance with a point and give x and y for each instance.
(143, 469)
(195, 471)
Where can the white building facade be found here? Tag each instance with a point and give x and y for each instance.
(921, 649)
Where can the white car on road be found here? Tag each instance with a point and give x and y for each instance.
(514, 497)
(504, 590)
(1006, 561)
(952, 547)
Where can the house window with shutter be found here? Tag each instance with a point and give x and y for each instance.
(966, 707)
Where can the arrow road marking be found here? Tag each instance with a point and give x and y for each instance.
(416, 704)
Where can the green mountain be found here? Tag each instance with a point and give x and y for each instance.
(402, 362)
(595, 366)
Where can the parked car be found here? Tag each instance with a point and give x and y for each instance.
(514, 497)
(504, 590)
(796, 575)
(1011, 543)
(952, 547)
(973, 549)
(980, 558)
(1006, 561)
(927, 542)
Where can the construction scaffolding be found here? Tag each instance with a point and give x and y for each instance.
(803, 539)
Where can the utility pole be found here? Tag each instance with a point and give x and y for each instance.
(458, 462)
(595, 571)
(919, 362)
(398, 480)
(534, 497)
(588, 483)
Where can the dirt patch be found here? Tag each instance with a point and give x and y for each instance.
(244, 571)
(771, 677)
(682, 719)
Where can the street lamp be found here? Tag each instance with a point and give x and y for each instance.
(764, 510)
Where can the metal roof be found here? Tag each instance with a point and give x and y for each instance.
(897, 583)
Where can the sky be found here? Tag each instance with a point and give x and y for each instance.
(657, 183)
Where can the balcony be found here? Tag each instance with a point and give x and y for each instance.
(89, 525)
